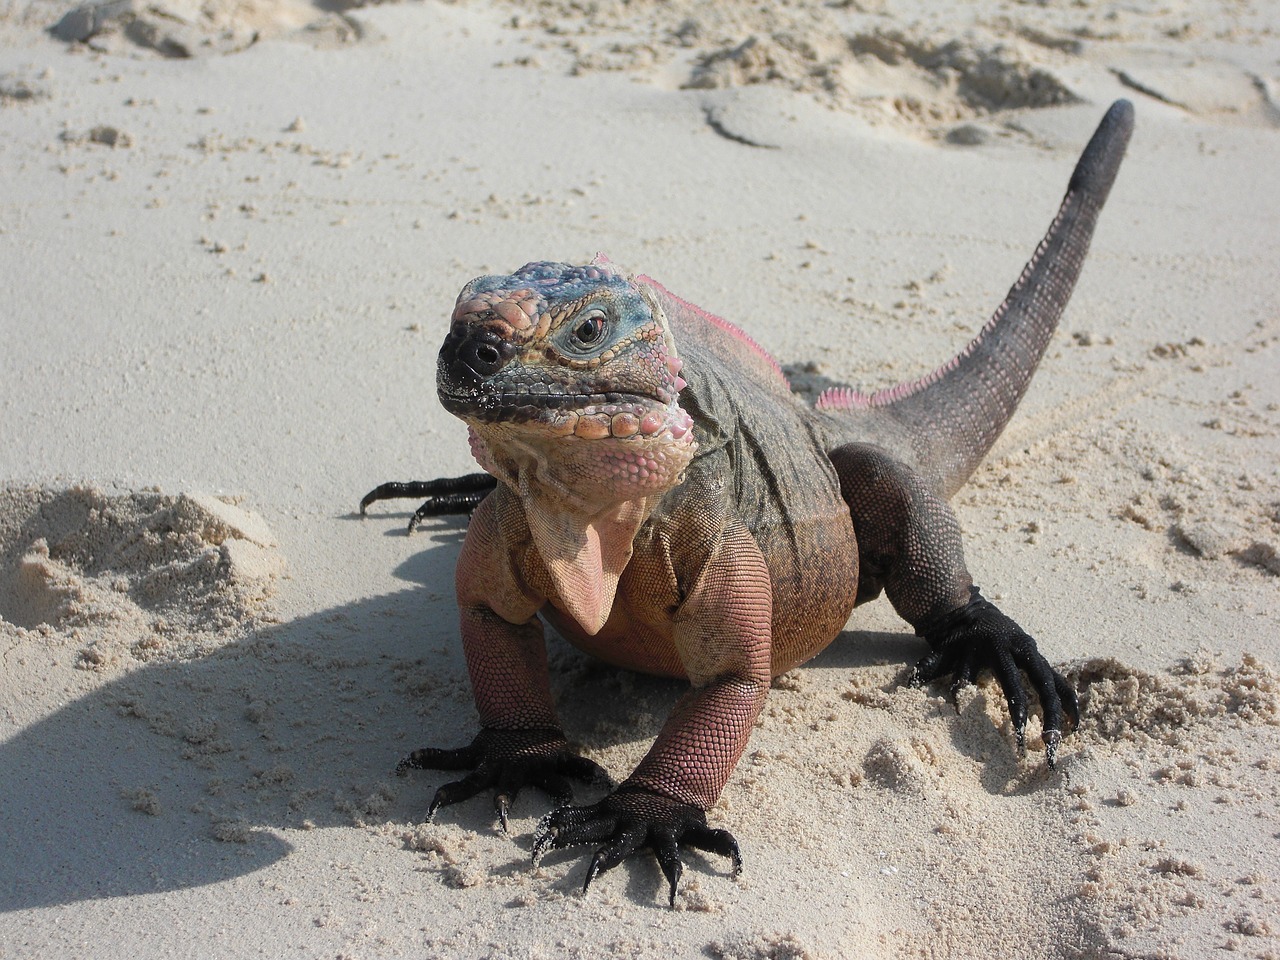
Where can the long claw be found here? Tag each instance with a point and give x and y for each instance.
(626, 842)
(715, 841)
(544, 837)
(668, 853)
(614, 852)
(1010, 679)
(1051, 740)
(672, 869)
(502, 806)
(594, 869)
(437, 802)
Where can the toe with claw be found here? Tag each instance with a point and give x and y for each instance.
(979, 637)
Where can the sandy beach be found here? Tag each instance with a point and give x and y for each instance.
(231, 234)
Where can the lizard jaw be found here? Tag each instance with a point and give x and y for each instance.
(590, 417)
(589, 459)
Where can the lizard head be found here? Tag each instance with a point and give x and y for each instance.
(569, 380)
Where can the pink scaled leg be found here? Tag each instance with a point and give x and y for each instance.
(520, 741)
(722, 632)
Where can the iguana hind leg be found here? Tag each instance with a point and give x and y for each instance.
(909, 547)
(444, 495)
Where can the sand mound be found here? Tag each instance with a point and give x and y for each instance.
(922, 73)
(902, 64)
(841, 54)
(910, 75)
(1122, 703)
(192, 28)
(144, 575)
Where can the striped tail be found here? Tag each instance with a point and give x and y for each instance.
(951, 418)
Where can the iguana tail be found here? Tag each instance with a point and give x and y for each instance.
(945, 423)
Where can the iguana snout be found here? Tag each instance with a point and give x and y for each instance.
(473, 354)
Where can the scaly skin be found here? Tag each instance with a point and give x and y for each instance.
(714, 529)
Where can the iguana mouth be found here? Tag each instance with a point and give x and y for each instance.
(484, 405)
(588, 416)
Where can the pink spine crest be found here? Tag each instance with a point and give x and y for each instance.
(841, 398)
(729, 328)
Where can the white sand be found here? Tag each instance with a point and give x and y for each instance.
(225, 279)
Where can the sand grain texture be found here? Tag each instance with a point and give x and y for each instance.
(229, 241)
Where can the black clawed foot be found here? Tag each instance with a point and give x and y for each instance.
(506, 761)
(979, 637)
(443, 497)
(668, 855)
(628, 821)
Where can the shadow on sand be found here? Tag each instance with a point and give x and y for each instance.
(181, 774)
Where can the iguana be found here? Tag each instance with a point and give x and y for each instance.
(655, 491)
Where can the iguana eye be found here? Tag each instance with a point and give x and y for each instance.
(588, 331)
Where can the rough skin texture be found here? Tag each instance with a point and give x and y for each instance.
(653, 489)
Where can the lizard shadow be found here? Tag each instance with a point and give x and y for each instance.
(854, 649)
(180, 774)
(174, 775)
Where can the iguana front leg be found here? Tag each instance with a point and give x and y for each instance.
(722, 633)
(520, 741)
(909, 546)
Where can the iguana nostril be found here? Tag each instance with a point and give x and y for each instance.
(482, 355)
